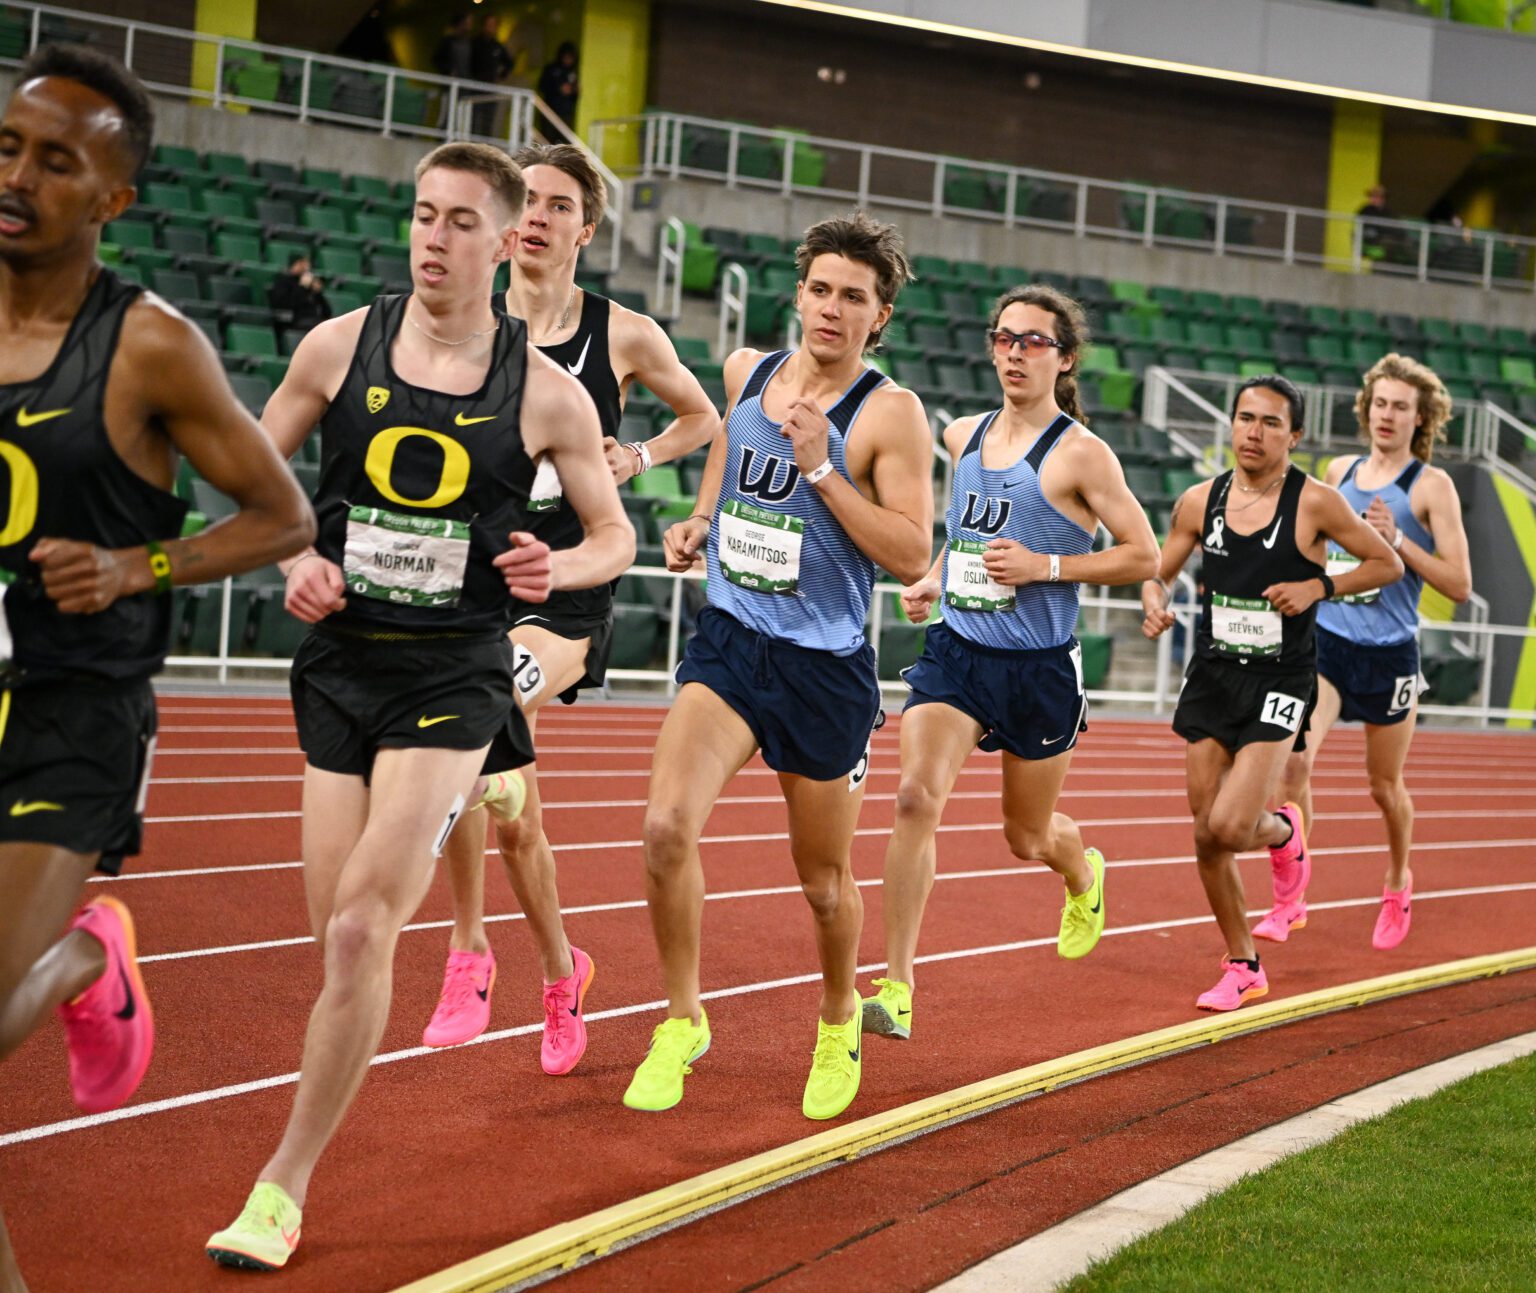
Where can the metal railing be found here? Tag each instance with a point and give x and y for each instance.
(671, 244)
(735, 287)
(227, 73)
(750, 157)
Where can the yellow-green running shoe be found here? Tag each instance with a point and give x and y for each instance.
(504, 797)
(1082, 918)
(658, 1082)
(264, 1235)
(889, 1012)
(835, 1068)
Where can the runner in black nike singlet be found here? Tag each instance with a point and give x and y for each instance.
(1262, 528)
(433, 407)
(561, 645)
(101, 386)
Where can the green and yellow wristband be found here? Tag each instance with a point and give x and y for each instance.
(159, 566)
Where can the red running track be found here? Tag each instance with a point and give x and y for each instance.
(447, 1154)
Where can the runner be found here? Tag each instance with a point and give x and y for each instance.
(1003, 670)
(1252, 683)
(824, 473)
(101, 386)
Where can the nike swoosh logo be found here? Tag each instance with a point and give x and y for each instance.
(462, 421)
(575, 1010)
(129, 1008)
(1273, 534)
(21, 808)
(484, 993)
(854, 1055)
(581, 361)
(25, 419)
(424, 721)
(1052, 741)
(1098, 905)
(900, 1013)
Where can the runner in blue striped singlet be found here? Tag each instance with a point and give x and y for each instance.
(1003, 670)
(1367, 646)
(822, 475)
(1263, 530)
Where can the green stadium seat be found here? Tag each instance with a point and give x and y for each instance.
(250, 339)
(281, 252)
(167, 197)
(325, 219)
(130, 233)
(1520, 370)
(259, 79)
(372, 224)
(176, 285)
(338, 260)
(225, 164)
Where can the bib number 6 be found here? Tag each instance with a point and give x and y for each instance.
(1404, 692)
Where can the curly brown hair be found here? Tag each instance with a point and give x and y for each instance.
(1071, 331)
(1434, 401)
(866, 241)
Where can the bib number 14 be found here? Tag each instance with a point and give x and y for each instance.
(1284, 711)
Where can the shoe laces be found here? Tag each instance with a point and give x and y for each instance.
(86, 1025)
(458, 983)
(259, 1213)
(671, 1042)
(555, 1012)
(831, 1055)
(1074, 911)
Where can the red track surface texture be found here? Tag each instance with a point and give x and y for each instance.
(448, 1154)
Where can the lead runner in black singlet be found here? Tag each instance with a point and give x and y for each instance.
(562, 644)
(1263, 528)
(433, 407)
(101, 385)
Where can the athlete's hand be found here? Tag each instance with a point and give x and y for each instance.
(917, 599)
(526, 567)
(1292, 599)
(1157, 619)
(807, 427)
(1011, 563)
(80, 577)
(1379, 517)
(621, 462)
(683, 544)
(315, 589)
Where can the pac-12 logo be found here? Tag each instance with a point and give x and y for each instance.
(762, 486)
(985, 515)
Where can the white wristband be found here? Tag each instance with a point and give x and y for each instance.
(642, 456)
(821, 473)
(1397, 540)
(1055, 569)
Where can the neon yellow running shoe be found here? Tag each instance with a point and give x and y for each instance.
(1082, 918)
(658, 1082)
(835, 1068)
(889, 1012)
(504, 797)
(264, 1235)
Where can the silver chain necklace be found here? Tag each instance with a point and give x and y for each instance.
(443, 341)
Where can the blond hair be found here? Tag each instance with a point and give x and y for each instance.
(490, 164)
(574, 162)
(1434, 400)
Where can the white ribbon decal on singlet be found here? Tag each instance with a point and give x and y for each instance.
(968, 586)
(760, 549)
(1216, 538)
(5, 627)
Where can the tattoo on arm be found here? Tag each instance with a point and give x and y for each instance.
(1173, 522)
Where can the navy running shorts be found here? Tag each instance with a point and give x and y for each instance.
(1376, 684)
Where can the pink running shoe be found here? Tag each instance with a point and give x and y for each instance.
(1282, 919)
(1290, 865)
(1238, 984)
(565, 1028)
(109, 1026)
(1395, 917)
(464, 1008)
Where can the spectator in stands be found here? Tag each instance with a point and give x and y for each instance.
(298, 292)
(489, 62)
(1376, 241)
(558, 87)
(454, 55)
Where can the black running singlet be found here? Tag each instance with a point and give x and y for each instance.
(1236, 623)
(60, 477)
(419, 489)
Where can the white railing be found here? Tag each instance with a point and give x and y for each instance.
(671, 244)
(735, 288)
(740, 156)
(224, 72)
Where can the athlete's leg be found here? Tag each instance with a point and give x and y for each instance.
(379, 887)
(1296, 782)
(335, 811)
(1386, 751)
(936, 740)
(822, 818)
(1035, 831)
(703, 744)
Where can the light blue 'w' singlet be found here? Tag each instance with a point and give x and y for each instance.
(779, 561)
(1008, 504)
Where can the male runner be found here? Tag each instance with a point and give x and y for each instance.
(1263, 528)
(823, 474)
(562, 645)
(1003, 669)
(1367, 645)
(101, 385)
(433, 407)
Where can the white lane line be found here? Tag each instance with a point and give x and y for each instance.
(746, 989)
(1056, 1256)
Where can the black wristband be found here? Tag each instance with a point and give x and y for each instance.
(1326, 581)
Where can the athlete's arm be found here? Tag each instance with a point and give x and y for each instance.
(165, 374)
(1336, 520)
(1183, 535)
(1336, 469)
(917, 598)
(559, 420)
(895, 529)
(641, 346)
(1448, 569)
(684, 541)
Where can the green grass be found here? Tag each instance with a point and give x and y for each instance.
(1438, 1195)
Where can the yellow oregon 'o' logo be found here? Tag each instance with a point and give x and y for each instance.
(380, 463)
(21, 513)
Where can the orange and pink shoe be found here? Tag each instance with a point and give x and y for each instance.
(1237, 984)
(565, 1027)
(464, 1007)
(1290, 865)
(1281, 920)
(109, 1026)
(1394, 918)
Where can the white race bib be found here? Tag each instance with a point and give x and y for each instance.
(1341, 563)
(968, 586)
(527, 674)
(1244, 626)
(6, 646)
(1405, 691)
(760, 549)
(408, 560)
(546, 491)
(1284, 711)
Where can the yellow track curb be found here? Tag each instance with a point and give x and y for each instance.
(565, 1244)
